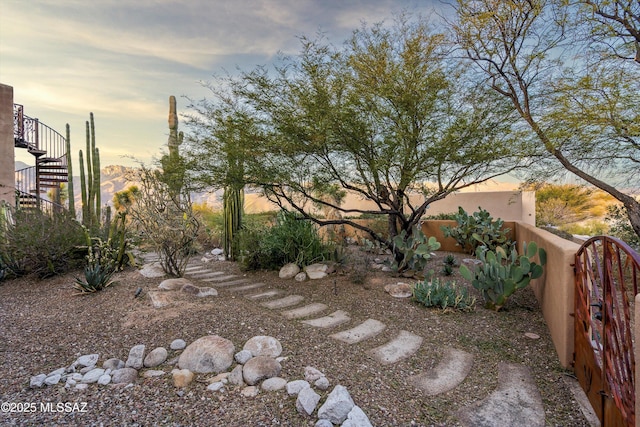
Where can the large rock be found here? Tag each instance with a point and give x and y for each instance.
(274, 384)
(307, 401)
(337, 406)
(124, 376)
(136, 357)
(208, 354)
(152, 270)
(357, 418)
(88, 360)
(399, 290)
(263, 346)
(156, 357)
(92, 376)
(173, 284)
(294, 387)
(113, 364)
(316, 271)
(289, 271)
(260, 368)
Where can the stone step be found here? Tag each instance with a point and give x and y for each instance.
(247, 287)
(306, 311)
(516, 401)
(231, 283)
(264, 295)
(334, 319)
(199, 270)
(367, 329)
(447, 375)
(287, 301)
(402, 346)
(221, 278)
(206, 274)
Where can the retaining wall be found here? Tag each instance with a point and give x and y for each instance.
(7, 154)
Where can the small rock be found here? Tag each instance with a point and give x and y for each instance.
(322, 383)
(294, 387)
(207, 292)
(307, 401)
(243, 356)
(124, 376)
(357, 418)
(323, 423)
(190, 289)
(399, 290)
(223, 378)
(82, 387)
(152, 270)
(92, 376)
(300, 277)
(70, 383)
(235, 377)
(274, 384)
(52, 379)
(532, 335)
(251, 391)
(136, 357)
(337, 406)
(263, 346)
(182, 377)
(77, 376)
(216, 386)
(472, 261)
(104, 379)
(57, 371)
(88, 360)
(260, 368)
(87, 369)
(113, 364)
(288, 271)
(311, 374)
(177, 344)
(156, 357)
(152, 373)
(217, 251)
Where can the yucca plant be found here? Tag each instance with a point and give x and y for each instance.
(96, 278)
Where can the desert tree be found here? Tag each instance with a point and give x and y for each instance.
(570, 71)
(390, 117)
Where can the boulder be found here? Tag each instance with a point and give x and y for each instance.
(260, 368)
(337, 406)
(152, 270)
(136, 357)
(289, 271)
(208, 354)
(124, 376)
(307, 401)
(173, 284)
(263, 346)
(156, 357)
(357, 418)
(190, 289)
(316, 271)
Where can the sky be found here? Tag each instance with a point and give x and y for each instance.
(122, 60)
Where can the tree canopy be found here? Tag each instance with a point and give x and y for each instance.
(390, 116)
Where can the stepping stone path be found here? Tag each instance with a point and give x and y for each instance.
(516, 400)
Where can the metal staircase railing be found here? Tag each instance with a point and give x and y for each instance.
(49, 149)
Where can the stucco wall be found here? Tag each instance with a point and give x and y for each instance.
(506, 205)
(7, 155)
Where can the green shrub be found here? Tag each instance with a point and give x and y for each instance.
(290, 240)
(502, 273)
(35, 242)
(415, 248)
(478, 229)
(433, 293)
(620, 226)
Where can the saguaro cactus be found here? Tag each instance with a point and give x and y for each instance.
(172, 163)
(90, 183)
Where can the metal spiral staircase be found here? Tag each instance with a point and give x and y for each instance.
(50, 170)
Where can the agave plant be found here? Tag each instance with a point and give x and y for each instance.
(96, 278)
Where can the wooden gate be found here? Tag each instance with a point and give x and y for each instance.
(606, 282)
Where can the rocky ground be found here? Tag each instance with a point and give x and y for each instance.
(44, 326)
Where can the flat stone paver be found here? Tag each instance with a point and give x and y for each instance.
(515, 402)
(231, 283)
(306, 311)
(447, 375)
(246, 287)
(221, 278)
(206, 274)
(334, 319)
(267, 294)
(367, 329)
(399, 348)
(287, 301)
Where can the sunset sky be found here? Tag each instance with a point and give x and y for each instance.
(122, 60)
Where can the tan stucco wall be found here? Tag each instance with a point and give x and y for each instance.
(555, 289)
(434, 228)
(7, 155)
(506, 205)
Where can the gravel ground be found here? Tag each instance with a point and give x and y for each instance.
(45, 326)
